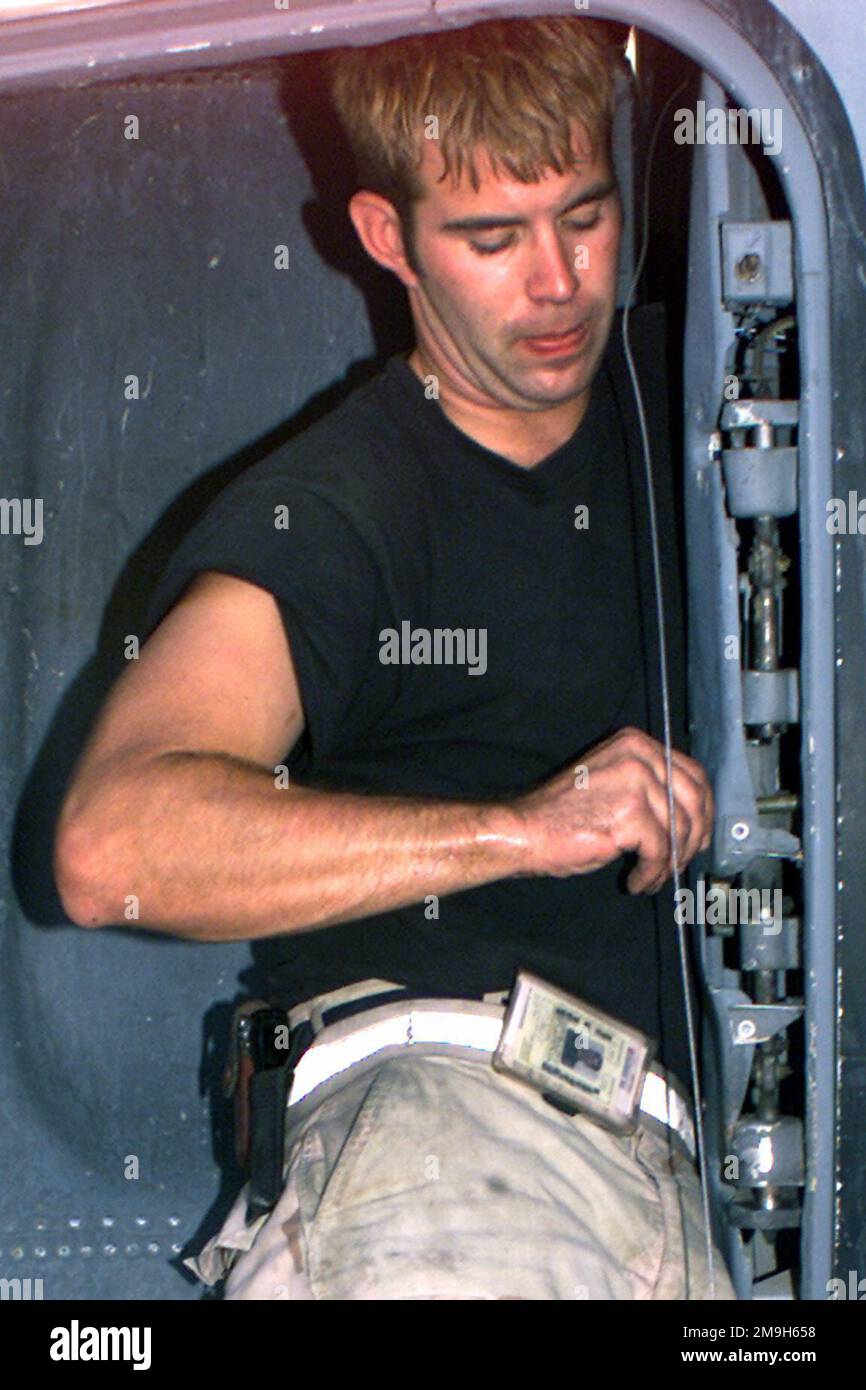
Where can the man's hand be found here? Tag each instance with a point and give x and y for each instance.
(616, 800)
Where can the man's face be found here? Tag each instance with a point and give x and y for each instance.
(512, 263)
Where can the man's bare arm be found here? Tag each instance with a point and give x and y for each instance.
(175, 821)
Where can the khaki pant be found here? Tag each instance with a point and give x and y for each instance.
(426, 1174)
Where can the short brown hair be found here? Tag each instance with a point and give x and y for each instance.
(513, 87)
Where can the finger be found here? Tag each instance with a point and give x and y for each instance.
(692, 805)
(690, 837)
(691, 791)
(688, 824)
(652, 846)
(648, 833)
(690, 765)
(695, 770)
(696, 799)
(643, 877)
(684, 827)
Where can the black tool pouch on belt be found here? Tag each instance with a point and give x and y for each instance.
(259, 1076)
(269, 1090)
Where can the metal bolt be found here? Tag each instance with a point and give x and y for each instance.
(778, 803)
(740, 831)
(749, 267)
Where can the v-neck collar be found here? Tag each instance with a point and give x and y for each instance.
(556, 466)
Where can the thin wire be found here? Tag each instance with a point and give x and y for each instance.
(663, 674)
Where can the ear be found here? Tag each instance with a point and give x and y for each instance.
(378, 226)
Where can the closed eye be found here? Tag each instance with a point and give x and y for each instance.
(572, 225)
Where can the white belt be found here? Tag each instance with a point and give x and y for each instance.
(459, 1023)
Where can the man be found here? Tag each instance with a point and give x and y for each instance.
(390, 722)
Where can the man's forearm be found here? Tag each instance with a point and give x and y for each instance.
(207, 846)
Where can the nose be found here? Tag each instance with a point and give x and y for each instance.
(554, 273)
